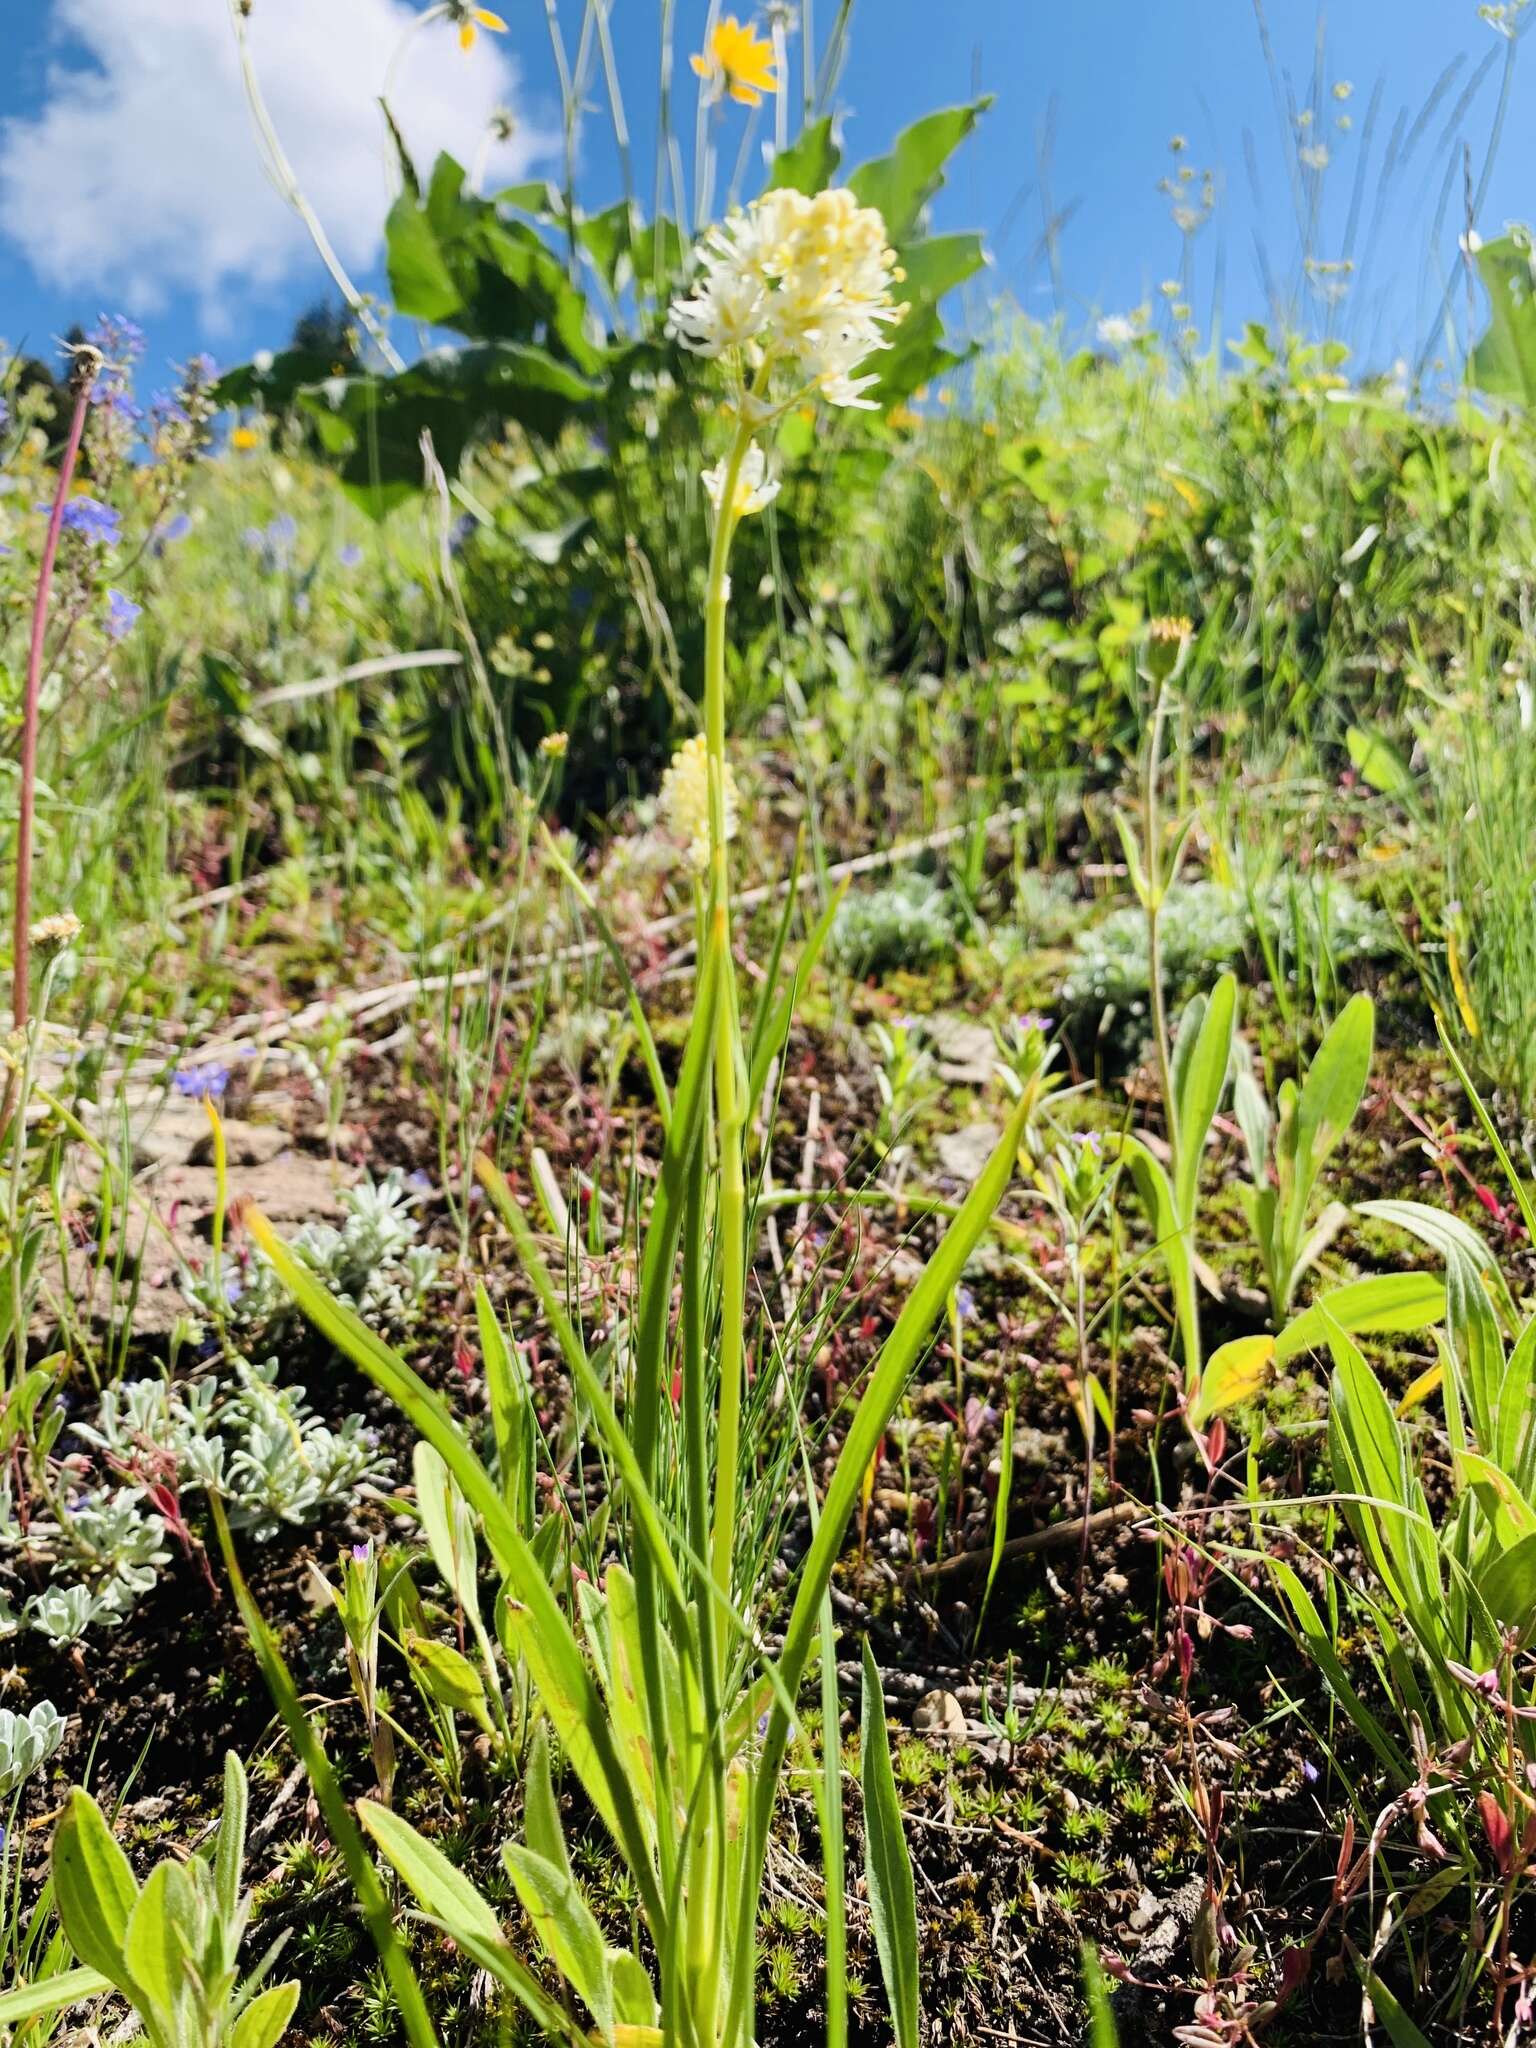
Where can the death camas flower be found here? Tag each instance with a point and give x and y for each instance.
(685, 799)
(754, 488)
(795, 293)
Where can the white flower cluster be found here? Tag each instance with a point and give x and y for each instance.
(797, 282)
(685, 799)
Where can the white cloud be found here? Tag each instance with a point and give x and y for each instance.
(139, 173)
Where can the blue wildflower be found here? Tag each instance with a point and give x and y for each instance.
(201, 1084)
(350, 556)
(119, 338)
(122, 614)
(93, 520)
(173, 530)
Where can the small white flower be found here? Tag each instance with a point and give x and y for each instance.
(1115, 331)
(754, 488)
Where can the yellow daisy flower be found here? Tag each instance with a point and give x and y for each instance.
(473, 19)
(738, 62)
(244, 439)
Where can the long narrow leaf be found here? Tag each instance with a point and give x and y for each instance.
(327, 1789)
(888, 1866)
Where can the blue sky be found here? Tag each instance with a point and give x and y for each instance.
(129, 176)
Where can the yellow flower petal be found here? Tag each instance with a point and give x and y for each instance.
(467, 35)
(742, 60)
(491, 21)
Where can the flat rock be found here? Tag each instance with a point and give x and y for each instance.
(967, 1051)
(291, 1189)
(962, 1154)
(246, 1144)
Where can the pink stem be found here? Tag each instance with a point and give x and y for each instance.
(21, 952)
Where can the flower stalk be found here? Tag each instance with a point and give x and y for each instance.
(86, 368)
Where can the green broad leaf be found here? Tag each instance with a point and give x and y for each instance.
(541, 1814)
(634, 2001)
(809, 163)
(420, 282)
(93, 1887)
(1383, 1501)
(900, 185)
(54, 1994)
(229, 1851)
(511, 1417)
(566, 1926)
(604, 240)
(1377, 762)
(265, 2019)
(1507, 1587)
(1400, 2028)
(1132, 852)
(1439, 1230)
(1170, 1240)
(619, 1645)
(888, 1866)
(535, 196)
(999, 1513)
(450, 1678)
(1332, 1091)
(160, 1927)
(1504, 362)
(1203, 1081)
(1233, 1374)
(441, 1889)
(1476, 1347)
(1384, 1304)
(448, 1524)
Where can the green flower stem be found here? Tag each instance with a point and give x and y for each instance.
(730, 1077)
(1154, 904)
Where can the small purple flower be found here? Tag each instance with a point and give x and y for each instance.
(96, 522)
(122, 615)
(173, 530)
(965, 1304)
(350, 557)
(201, 1084)
(1033, 1020)
(201, 370)
(283, 531)
(361, 1552)
(119, 338)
